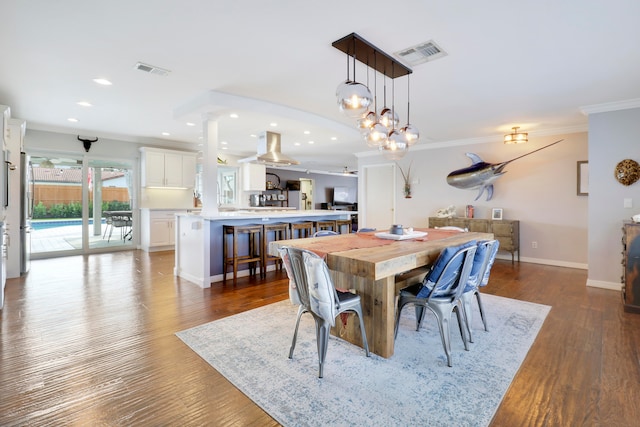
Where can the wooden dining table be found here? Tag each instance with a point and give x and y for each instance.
(375, 268)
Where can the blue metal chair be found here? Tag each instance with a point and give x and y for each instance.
(321, 233)
(482, 263)
(441, 292)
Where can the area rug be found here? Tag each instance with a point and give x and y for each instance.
(414, 387)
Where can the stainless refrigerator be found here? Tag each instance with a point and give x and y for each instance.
(26, 211)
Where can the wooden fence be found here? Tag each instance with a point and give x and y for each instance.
(51, 194)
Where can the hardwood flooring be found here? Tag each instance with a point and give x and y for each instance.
(89, 340)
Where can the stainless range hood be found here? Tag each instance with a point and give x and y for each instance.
(269, 152)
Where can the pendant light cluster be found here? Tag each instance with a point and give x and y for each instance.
(380, 128)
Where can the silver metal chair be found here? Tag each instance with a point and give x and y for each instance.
(321, 233)
(483, 261)
(311, 273)
(441, 293)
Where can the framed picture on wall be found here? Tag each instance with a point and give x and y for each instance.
(496, 214)
(583, 178)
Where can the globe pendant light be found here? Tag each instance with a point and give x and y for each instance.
(395, 147)
(377, 136)
(365, 123)
(354, 98)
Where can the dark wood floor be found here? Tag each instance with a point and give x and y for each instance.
(90, 341)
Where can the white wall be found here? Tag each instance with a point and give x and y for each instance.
(613, 137)
(539, 190)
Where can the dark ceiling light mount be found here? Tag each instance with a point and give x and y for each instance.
(357, 47)
(380, 129)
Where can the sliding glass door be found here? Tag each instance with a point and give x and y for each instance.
(75, 200)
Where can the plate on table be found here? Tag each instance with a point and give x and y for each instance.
(413, 235)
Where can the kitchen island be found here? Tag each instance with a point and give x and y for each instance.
(199, 238)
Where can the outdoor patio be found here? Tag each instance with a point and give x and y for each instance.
(69, 237)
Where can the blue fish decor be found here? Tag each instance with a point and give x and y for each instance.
(481, 175)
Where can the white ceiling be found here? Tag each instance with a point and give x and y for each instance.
(529, 63)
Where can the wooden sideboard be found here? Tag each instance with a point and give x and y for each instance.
(631, 266)
(507, 232)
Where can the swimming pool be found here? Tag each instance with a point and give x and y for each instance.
(53, 223)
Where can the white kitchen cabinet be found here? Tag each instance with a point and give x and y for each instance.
(167, 168)
(254, 177)
(158, 228)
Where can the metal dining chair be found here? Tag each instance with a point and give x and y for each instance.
(441, 292)
(322, 300)
(479, 276)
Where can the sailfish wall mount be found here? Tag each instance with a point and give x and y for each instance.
(481, 175)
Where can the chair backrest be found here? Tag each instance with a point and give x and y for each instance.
(492, 257)
(481, 261)
(294, 265)
(323, 298)
(365, 230)
(321, 233)
(455, 274)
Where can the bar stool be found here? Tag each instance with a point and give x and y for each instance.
(305, 229)
(328, 224)
(280, 232)
(343, 223)
(255, 244)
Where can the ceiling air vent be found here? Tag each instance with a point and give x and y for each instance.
(151, 69)
(421, 53)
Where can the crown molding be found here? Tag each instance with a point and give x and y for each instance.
(610, 106)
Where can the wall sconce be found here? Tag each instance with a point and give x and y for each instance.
(516, 137)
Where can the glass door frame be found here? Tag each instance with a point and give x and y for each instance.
(86, 159)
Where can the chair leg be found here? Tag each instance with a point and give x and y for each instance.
(301, 310)
(462, 325)
(322, 335)
(400, 306)
(445, 334)
(365, 343)
(482, 315)
(466, 304)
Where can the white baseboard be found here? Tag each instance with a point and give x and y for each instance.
(553, 262)
(604, 285)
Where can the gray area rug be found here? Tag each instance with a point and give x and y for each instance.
(414, 387)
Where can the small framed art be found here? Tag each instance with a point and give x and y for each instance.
(583, 178)
(496, 214)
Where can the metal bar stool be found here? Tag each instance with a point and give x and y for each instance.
(305, 229)
(328, 224)
(255, 244)
(280, 232)
(343, 223)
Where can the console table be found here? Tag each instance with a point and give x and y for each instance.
(631, 266)
(507, 232)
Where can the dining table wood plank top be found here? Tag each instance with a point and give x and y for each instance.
(369, 265)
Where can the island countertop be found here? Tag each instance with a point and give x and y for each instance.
(261, 214)
(199, 238)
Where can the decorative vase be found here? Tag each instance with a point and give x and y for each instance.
(407, 191)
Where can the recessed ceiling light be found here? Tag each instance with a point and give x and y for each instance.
(103, 82)
(224, 143)
(253, 135)
(72, 120)
(190, 124)
(306, 132)
(297, 144)
(84, 104)
(233, 115)
(333, 138)
(224, 148)
(312, 142)
(273, 124)
(166, 133)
